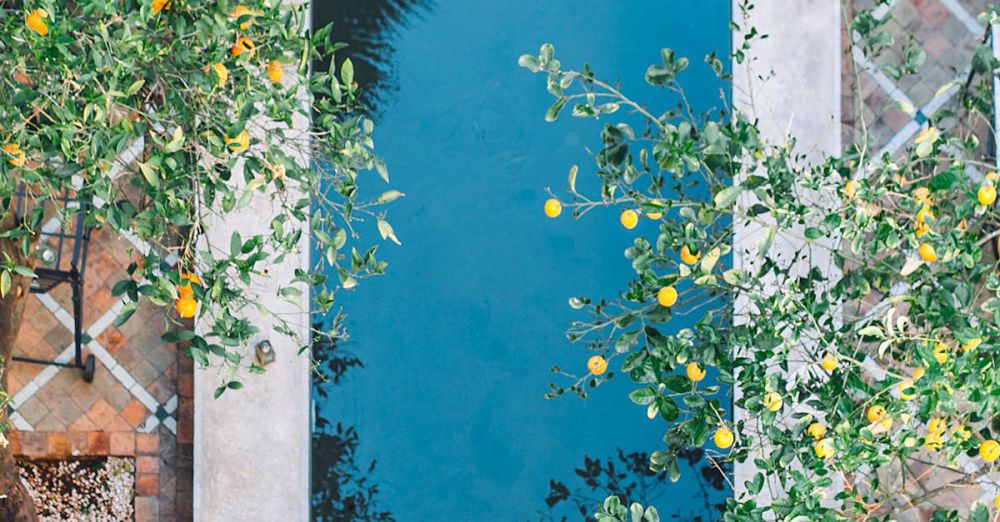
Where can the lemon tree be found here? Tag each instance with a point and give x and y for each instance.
(162, 116)
(868, 387)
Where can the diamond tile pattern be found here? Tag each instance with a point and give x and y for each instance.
(131, 408)
(894, 110)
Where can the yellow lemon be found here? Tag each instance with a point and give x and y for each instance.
(875, 413)
(989, 450)
(961, 433)
(816, 430)
(906, 391)
(992, 177)
(933, 441)
(667, 296)
(824, 448)
(186, 307)
(829, 362)
(886, 422)
(937, 425)
(161, 5)
(723, 437)
(239, 143)
(629, 219)
(694, 372)
(688, 257)
(274, 71)
(243, 45)
(221, 73)
(17, 156)
(986, 195)
(185, 290)
(773, 401)
(553, 207)
(930, 134)
(597, 365)
(941, 353)
(927, 252)
(923, 214)
(242, 10)
(972, 344)
(36, 21)
(654, 215)
(918, 373)
(851, 188)
(996, 502)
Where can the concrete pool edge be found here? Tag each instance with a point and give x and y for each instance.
(802, 100)
(252, 446)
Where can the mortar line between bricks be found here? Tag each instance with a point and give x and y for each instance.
(39, 380)
(123, 376)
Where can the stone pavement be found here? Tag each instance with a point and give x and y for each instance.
(894, 111)
(140, 404)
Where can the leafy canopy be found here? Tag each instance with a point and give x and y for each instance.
(166, 116)
(864, 350)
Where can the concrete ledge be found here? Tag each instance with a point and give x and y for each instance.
(799, 96)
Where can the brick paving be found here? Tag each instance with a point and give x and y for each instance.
(894, 111)
(140, 403)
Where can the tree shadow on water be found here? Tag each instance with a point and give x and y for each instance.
(368, 27)
(628, 476)
(343, 490)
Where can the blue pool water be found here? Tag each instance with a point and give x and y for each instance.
(457, 340)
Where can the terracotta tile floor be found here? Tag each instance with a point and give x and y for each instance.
(134, 407)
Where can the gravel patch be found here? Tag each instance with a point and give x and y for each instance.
(95, 490)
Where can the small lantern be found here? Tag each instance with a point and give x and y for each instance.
(265, 353)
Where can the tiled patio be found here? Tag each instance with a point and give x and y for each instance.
(140, 403)
(894, 111)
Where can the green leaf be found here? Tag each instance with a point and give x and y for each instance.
(979, 512)
(553, 112)
(626, 341)
(124, 314)
(386, 231)
(529, 62)
(709, 260)
(389, 196)
(176, 142)
(24, 271)
(727, 196)
(5, 282)
(134, 88)
(235, 244)
(643, 396)
(149, 173)
(347, 72)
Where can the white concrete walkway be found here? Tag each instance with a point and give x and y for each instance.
(801, 100)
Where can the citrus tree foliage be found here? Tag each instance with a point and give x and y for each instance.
(868, 385)
(165, 116)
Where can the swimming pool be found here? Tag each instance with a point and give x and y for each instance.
(457, 339)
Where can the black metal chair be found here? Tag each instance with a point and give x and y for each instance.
(53, 268)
